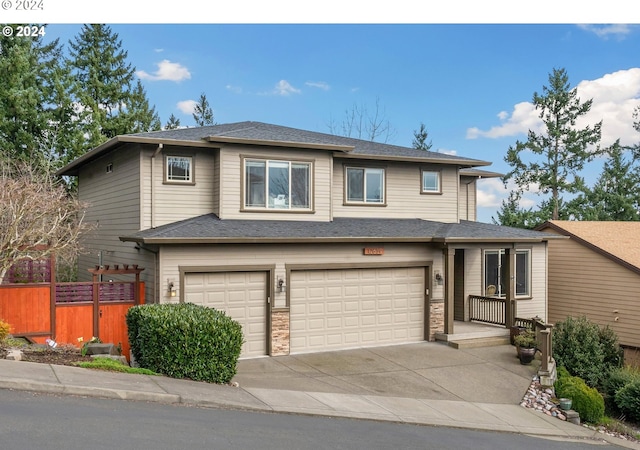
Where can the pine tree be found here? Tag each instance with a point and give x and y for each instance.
(560, 151)
(34, 100)
(203, 114)
(112, 102)
(616, 193)
(420, 138)
(173, 123)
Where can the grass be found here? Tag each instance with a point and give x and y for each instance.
(113, 365)
(618, 426)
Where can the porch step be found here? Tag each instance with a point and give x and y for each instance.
(479, 342)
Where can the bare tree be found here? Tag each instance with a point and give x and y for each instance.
(361, 123)
(37, 217)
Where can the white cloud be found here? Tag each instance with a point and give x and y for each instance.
(284, 88)
(158, 50)
(604, 31)
(187, 106)
(167, 70)
(491, 192)
(318, 84)
(447, 152)
(614, 95)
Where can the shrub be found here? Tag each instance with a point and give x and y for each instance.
(185, 341)
(628, 400)
(616, 380)
(586, 350)
(587, 401)
(4, 330)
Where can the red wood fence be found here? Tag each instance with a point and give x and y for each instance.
(65, 312)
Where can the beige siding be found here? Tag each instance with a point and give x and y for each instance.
(114, 205)
(403, 197)
(287, 254)
(173, 201)
(231, 189)
(467, 200)
(584, 282)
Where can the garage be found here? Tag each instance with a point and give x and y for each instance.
(242, 295)
(347, 308)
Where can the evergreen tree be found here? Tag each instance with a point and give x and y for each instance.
(34, 100)
(203, 114)
(616, 193)
(420, 138)
(560, 151)
(173, 123)
(112, 102)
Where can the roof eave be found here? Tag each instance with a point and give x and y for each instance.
(268, 240)
(462, 162)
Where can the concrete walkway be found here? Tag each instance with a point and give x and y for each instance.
(426, 383)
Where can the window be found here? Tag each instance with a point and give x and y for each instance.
(430, 181)
(277, 184)
(365, 185)
(495, 273)
(179, 169)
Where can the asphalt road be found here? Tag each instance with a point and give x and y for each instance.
(39, 421)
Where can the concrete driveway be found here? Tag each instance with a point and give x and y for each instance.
(424, 370)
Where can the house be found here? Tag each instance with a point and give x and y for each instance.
(596, 273)
(311, 241)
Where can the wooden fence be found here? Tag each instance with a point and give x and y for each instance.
(65, 312)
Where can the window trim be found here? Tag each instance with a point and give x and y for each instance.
(438, 172)
(345, 199)
(266, 209)
(191, 158)
(501, 251)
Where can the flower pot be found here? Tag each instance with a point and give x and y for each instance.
(514, 331)
(565, 403)
(526, 355)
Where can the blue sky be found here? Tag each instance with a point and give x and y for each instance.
(471, 84)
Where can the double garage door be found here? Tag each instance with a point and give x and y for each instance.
(329, 309)
(337, 309)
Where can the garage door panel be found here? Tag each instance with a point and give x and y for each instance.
(374, 307)
(241, 295)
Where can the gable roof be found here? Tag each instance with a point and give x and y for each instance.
(209, 229)
(616, 240)
(259, 133)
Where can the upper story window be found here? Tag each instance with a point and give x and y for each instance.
(277, 185)
(431, 182)
(365, 185)
(496, 277)
(179, 169)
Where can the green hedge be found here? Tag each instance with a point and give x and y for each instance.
(587, 401)
(185, 341)
(628, 400)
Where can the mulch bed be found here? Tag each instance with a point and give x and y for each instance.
(65, 356)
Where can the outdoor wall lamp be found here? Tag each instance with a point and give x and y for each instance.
(439, 278)
(172, 290)
(281, 286)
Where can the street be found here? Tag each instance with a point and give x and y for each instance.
(30, 420)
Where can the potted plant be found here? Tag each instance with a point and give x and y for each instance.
(526, 344)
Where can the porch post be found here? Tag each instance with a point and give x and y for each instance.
(449, 254)
(509, 305)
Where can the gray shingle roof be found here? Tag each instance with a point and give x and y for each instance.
(210, 229)
(269, 132)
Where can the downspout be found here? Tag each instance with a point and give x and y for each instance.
(153, 182)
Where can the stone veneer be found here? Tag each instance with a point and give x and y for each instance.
(436, 318)
(280, 332)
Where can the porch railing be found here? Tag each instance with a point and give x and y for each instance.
(487, 309)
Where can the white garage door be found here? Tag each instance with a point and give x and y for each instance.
(337, 309)
(242, 295)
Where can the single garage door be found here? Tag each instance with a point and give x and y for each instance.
(242, 295)
(337, 309)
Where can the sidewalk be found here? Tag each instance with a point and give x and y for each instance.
(55, 379)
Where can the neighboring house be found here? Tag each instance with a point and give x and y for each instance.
(311, 241)
(596, 273)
